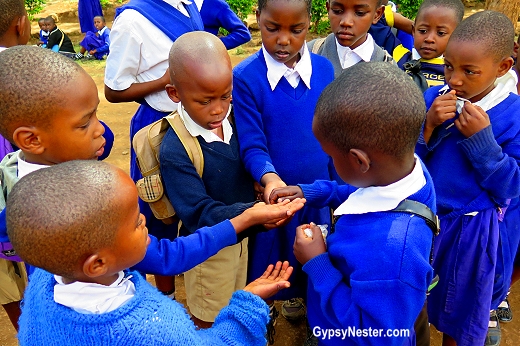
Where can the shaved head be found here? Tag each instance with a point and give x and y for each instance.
(195, 53)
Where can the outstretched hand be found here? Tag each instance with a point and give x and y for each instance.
(272, 280)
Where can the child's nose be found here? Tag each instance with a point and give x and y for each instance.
(430, 38)
(347, 20)
(283, 39)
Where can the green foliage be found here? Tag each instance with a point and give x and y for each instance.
(34, 7)
(408, 8)
(319, 21)
(241, 7)
(104, 3)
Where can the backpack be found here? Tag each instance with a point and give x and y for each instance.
(146, 144)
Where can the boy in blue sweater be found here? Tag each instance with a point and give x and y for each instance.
(434, 24)
(470, 146)
(81, 224)
(44, 34)
(350, 43)
(373, 272)
(95, 44)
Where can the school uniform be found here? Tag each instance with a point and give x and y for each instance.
(217, 14)
(44, 37)
(87, 10)
(473, 178)
(99, 42)
(344, 57)
(274, 107)
(376, 270)
(141, 37)
(432, 69)
(382, 32)
(59, 41)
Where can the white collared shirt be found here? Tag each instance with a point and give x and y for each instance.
(349, 57)
(135, 58)
(92, 298)
(383, 198)
(209, 136)
(100, 32)
(276, 70)
(25, 167)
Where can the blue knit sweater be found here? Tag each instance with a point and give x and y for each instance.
(275, 127)
(375, 272)
(483, 169)
(217, 14)
(149, 318)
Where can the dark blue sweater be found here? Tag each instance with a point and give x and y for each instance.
(375, 272)
(217, 14)
(224, 191)
(275, 127)
(479, 172)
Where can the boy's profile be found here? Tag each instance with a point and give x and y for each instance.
(470, 146)
(374, 271)
(81, 223)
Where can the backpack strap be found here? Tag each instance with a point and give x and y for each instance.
(62, 38)
(317, 45)
(190, 143)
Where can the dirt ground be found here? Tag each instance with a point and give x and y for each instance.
(118, 116)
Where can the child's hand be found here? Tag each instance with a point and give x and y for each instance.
(444, 107)
(272, 280)
(471, 120)
(306, 248)
(93, 51)
(271, 181)
(282, 193)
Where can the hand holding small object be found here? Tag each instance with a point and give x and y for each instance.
(471, 120)
(305, 247)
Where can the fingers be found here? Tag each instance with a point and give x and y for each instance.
(267, 272)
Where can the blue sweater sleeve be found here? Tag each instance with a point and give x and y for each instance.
(186, 190)
(106, 38)
(250, 128)
(172, 257)
(323, 193)
(238, 33)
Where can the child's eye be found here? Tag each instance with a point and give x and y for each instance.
(85, 126)
(270, 29)
(336, 11)
(297, 31)
(204, 103)
(360, 13)
(422, 31)
(448, 67)
(470, 72)
(441, 33)
(226, 97)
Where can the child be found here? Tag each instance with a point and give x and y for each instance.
(133, 73)
(44, 34)
(434, 24)
(469, 146)
(217, 14)
(58, 40)
(95, 44)
(87, 11)
(274, 95)
(349, 42)
(374, 270)
(98, 231)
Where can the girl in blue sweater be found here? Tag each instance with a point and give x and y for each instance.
(274, 95)
(470, 144)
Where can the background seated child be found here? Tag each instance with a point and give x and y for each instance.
(434, 24)
(44, 34)
(471, 150)
(84, 296)
(349, 43)
(95, 44)
(58, 40)
(374, 270)
(217, 14)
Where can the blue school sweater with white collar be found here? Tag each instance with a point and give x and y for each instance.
(483, 169)
(375, 272)
(149, 318)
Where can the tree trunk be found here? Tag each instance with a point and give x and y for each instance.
(510, 8)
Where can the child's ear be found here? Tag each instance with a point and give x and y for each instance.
(95, 266)
(379, 14)
(257, 14)
(28, 139)
(173, 93)
(23, 29)
(413, 29)
(504, 66)
(361, 158)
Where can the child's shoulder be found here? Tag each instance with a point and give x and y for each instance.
(252, 63)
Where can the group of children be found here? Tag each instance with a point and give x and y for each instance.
(342, 129)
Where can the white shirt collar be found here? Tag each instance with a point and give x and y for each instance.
(276, 70)
(349, 57)
(178, 4)
(383, 198)
(92, 298)
(196, 130)
(100, 32)
(25, 167)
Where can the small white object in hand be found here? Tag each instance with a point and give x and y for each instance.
(308, 232)
(323, 228)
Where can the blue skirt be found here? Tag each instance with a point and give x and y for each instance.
(90, 42)
(465, 256)
(87, 10)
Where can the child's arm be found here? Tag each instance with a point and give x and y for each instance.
(402, 23)
(238, 33)
(54, 39)
(105, 47)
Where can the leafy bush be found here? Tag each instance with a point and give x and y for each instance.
(319, 21)
(34, 7)
(242, 8)
(408, 8)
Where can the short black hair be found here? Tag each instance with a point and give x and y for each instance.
(263, 3)
(41, 20)
(23, 100)
(371, 106)
(455, 5)
(9, 10)
(102, 18)
(50, 19)
(58, 216)
(497, 38)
